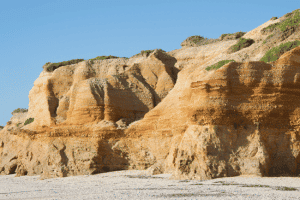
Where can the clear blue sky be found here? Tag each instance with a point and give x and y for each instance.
(33, 32)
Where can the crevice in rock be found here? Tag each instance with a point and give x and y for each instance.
(53, 101)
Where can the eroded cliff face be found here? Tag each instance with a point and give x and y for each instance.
(80, 112)
(142, 113)
(241, 119)
(109, 89)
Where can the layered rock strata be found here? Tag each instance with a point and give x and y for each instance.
(241, 119)
(142, 113)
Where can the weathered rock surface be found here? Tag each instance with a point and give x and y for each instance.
(108, 89)
(140, 113)
(241, 119)
(79, 111)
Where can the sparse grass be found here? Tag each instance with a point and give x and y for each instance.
(1, 127)
(103, 57)
(274, 18)
(53, 66)
(28, 121)
(218, 65)
(264, 42)
(274, 53)
(242, 43)
(148, 52)
(237, 35)
(19, 110)
(292, 20)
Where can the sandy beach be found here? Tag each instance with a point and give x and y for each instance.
(136, 184)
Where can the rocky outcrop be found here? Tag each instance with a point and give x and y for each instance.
(109, 89)
(76, 103)
(142, 113)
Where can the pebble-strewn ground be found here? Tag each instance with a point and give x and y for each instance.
(133, 184)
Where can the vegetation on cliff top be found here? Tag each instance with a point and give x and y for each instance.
(218, 65)
(236, 35)
(274, 53)
(148, 52)
(104, 58)
(196, 38)
(242, 43)
(19, 110)
(50, 67)
(292, 20)
(274, 18)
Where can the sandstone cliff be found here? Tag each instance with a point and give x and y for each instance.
(165, 112)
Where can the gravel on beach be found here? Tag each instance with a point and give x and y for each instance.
(136, 184)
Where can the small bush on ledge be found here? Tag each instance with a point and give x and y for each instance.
(28, 121)
(53, 66)
(218, 65)
(242, 43)
(19, 110)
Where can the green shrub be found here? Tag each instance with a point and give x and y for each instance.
(18, 124)
(274, 53)
(1, 127)
(18, 110)
(28, 121)
(274, 18)
(242, 43)
(218, 65)
(53, 66)
(292, 20)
